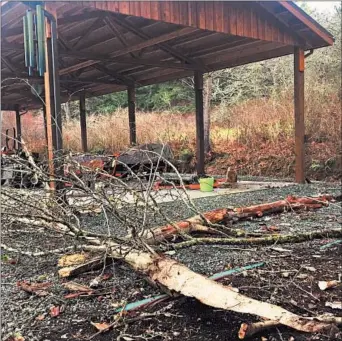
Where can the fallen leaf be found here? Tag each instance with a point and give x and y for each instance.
(127, 338)
(34, 288)
(65, 272)
(40, 317)
(285, 274)
(309, 268)
(73, 295)
(100, 326)
(273, 228)
(334, 305)
(54, 311)
(323, 285)
(106, 276)
(73, 286)
(74, 259)
(12, 261)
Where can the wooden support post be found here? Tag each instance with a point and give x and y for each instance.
(83, 122)
(18, 127)
(52, 98)
(131, 116)
(299, 114)
(45, 124)
(199, 123)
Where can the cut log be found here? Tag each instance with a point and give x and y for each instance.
(192, 224)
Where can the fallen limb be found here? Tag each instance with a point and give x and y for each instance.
(249, 329)
(175, 277)
(160, 298)
(93, 264)
(225, 215)
(271, 239)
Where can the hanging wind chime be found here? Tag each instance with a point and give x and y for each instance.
(34, 41)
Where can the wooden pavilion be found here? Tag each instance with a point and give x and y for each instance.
(110, 46)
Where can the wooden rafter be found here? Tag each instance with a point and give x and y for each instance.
(71, 19)
(113, 74)
(308, 21)
(155, 41)
(86, 32)
(301, 38)
(9, 65)
(164, 46)
(113, 27)
(146, 43)
(130, 61)
(5, 45)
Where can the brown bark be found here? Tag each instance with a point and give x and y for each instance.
(224, 215)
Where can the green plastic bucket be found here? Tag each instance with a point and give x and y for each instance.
(206, 184)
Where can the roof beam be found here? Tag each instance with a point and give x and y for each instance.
(76, 67)
(155, 41)
(71, 19)
(301, 39)
(112, 26)
(8, 64)
(308, 21)
(5, 45)
(164, 46)
(86, 32)
(130, 61)
(123, 79)
(144, 44)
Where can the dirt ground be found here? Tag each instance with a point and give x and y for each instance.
(288, 278)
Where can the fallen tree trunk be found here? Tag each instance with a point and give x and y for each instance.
(225, 215)
(175, 277)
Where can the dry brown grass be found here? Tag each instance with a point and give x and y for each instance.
(263, 124)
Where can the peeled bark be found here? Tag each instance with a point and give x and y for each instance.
(90, 265)
(176, 277)
(172, 276)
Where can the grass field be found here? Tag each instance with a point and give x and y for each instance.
(255, 137)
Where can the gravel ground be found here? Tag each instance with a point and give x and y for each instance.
(185, 318)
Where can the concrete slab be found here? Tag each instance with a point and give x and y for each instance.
(162, 196)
